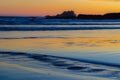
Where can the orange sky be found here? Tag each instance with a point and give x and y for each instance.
(52, 7)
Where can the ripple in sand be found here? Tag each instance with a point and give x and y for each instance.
(77, 67)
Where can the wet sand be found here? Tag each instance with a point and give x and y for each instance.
(54, 67)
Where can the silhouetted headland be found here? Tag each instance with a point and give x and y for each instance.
(65, 18)
(72, 15)
(64, 15)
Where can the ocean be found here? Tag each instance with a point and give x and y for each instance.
(84, 51)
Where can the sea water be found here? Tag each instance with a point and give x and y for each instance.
(91, 47)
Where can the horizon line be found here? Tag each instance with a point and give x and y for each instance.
(52, 15)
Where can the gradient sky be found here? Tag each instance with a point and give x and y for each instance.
(52, 7)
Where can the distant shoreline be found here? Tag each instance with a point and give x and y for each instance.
(65, 18)
(72, 15)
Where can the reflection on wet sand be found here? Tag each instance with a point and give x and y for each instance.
(60, 44)
(76, 54)
(50, 73)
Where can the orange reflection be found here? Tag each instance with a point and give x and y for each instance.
(65, 44)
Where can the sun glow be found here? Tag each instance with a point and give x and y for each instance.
(52, 7)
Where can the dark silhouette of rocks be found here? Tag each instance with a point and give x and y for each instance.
(64, 15)
(72, 15)
(112, 16)
(83, 16)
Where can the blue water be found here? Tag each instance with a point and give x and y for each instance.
(89, 44)
(53, 25)
(57, 27)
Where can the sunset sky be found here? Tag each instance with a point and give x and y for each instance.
(52, 7)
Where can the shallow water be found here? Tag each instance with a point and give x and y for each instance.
(97, 49)
(88, 44)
